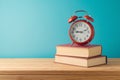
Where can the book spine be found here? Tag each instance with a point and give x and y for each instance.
(106, 60)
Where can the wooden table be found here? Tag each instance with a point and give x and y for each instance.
(46, 69)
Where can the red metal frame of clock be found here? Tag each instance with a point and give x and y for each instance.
(91, 36)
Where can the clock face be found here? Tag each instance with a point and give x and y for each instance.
(80, 32)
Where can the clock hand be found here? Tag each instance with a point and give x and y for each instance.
(79, 31)
(86, 29)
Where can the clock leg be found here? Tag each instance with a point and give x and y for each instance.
(72, 44)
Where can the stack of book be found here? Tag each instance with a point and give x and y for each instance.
(86, 56)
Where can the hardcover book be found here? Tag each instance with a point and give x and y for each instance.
(85, 62)
(79, 51)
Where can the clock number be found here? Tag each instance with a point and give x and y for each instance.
(87, 36)
(80, 39)
(76, 38)
(73, 29)
(84, 38)
(80, 25)
(76, 25)
(84, 26)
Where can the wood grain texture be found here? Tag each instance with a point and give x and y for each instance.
(57, 77)
(47, 69)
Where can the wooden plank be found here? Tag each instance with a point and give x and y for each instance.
(38, 66)
(57, 77)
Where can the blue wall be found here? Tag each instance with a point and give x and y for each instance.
(32, 28)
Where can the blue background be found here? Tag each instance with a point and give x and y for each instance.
(33, 28)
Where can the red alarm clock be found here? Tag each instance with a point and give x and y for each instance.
(81, 31)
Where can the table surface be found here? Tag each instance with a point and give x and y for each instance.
(48, 66)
